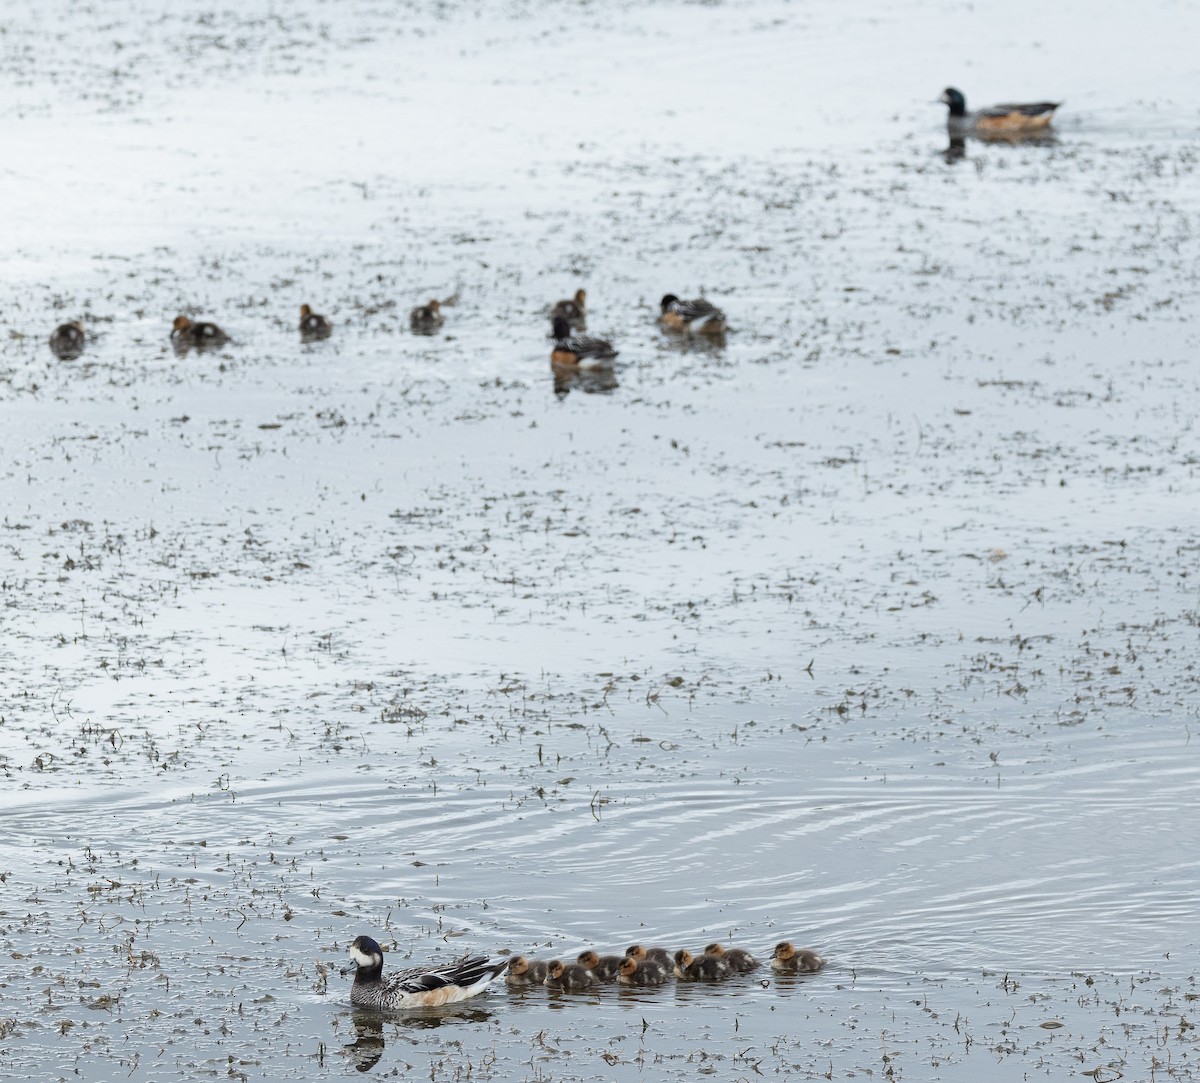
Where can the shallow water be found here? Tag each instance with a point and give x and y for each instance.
(871, 628)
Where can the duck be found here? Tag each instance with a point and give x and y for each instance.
(573, 311)
(738, 960)
(789, 960)
(659, 955)
(415, 987)
(1006, 119)
(605, 967)
(580, 350)
(426, 319)
(187, 333)
(647, 972)
(313, 325)
(697, 316)
(68, 339)
(522, 971)
(570, 978)
(706, 968)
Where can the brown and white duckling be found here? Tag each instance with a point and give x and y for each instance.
(68, 339)
(647, 972)
(426, 319)
(605, 967)
(789, 960)
(313, 325)
(187, 333)
(659, 955)
(574, 311)
(738, 960)
(570, 977)
(697, 316)
(706, 968)
(522, 971)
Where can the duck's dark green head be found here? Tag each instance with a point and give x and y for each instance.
(956, 101)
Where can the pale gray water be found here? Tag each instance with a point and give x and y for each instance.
(382, 635)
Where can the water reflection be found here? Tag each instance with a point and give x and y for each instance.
(568, 378)
(368, 1045)
(956, 149)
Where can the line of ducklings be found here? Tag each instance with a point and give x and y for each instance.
(697, 316)
(642, 966)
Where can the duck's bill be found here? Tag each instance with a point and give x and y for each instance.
(349, 968)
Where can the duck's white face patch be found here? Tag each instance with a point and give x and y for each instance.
(361, 957)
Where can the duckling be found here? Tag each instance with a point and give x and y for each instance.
(522, 971)
(313, 326)
(738, 960)
(426, 319)
(647, 972)
(697, 316)
(605, 967)
(574, 312)
(187, 333)
(706, 968)
(998, 119)
(659, 955)
(581, 350)
(570, 978)
(788, 960)
(68, 339)
(416, 987)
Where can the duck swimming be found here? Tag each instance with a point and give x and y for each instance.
(697, 316)
(1006, 119)
(415, 987)
(738, 960)
(706, 968)
(659, 955)
(645, 973)
(313, 326)
(68, 339)
(522, 971)
(579, 350)
(605, 967)
(789, 960)
(570, 978)
(187, 333)
(426, 319)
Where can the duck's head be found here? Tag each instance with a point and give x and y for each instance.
(784, 951)
(181, 324)
(518, 965)
(365, 953)
(714, 949)
(588, 959)
(956, 101)
(562, 329)
(628, 966)
(434, 306)
(305, 311)
(636, 951)
(684, 958)
(668, 300)
(581, 297)
(555, 969)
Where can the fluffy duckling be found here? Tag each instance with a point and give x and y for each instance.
(198, 333)
(1005, 119)
(659, 955)
(68, 339)
(580, 350)
(570, 978)
(789, 960)
(697, 316)
(706, 968)
(416, 987)
(522, 971)
(426, 319)
(312, 325)
(605, 967)
(574, 311)
(738, 960)
(647, 972)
